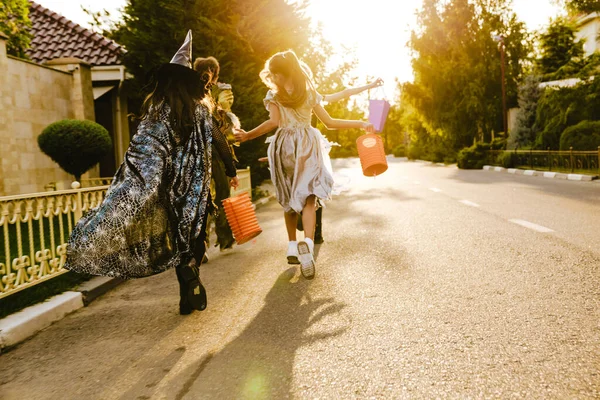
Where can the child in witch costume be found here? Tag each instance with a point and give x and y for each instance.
(154, 212)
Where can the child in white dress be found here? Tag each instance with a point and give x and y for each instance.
(300, 166)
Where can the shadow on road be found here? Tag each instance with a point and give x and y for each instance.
(259, 362)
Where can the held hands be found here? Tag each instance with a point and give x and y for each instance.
(367, 126)
(240, 135)
(234, 182)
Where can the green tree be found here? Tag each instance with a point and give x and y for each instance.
(241, 34)
(529, 94)
(558, 49)
(585, 6)
(15, 23)
(456, 94)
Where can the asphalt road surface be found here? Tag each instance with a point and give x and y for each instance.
(432, 283)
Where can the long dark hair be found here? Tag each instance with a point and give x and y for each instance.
(287, 64)
(181, 89)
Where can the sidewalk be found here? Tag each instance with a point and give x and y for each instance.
(545, 174)
(24, 324)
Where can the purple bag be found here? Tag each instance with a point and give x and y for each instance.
(378, 112)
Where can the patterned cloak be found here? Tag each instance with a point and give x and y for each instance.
(154, 210)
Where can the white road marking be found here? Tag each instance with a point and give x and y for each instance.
(469, 203)
(531, 225)
(436, 190)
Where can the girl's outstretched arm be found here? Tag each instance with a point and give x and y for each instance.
(330, 98)
(267, 126)
(332, 123)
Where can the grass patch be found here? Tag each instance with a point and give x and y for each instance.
(40, 292)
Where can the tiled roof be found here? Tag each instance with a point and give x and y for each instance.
(55, 36)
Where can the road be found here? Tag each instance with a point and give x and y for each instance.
(433, 282)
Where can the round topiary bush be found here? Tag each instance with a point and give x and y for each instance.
(583, 136)
(75, 145)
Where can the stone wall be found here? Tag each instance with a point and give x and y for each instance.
(31, 97)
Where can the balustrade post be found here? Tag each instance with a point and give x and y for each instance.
(78, 206)
(571, 159)
(549, 163)
(530, 159)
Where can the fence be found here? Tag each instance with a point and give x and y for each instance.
(35, 228)
(243, 176)
(586, 162)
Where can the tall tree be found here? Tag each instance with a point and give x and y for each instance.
(241, 34)
(558, 47)
(529, 93)
(585, 6)
(15, 23)
(456, 93)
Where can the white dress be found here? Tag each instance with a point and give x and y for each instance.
(298, 156)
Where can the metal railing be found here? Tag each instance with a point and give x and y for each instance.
(34, 230)
(570, 161)
(243, 176)
(93, 182)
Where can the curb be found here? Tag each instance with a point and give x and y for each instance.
(96, 287)
(544, 174)
(22, 325)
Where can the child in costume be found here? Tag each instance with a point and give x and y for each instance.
(331, 98)
(299, 163)
(154, 212)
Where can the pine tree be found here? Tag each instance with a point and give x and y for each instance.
(529, 93)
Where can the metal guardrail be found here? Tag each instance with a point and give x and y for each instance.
(35, 229)
(550, 160)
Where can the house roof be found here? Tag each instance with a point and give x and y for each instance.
(55, 36)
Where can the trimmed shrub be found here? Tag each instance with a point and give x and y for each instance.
(472, 157)
(583, 136)
(399, 151)
(498, 143)
(414, 152)
(507, 160)
(75, 145)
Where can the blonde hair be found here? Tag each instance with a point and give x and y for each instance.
(288, 65)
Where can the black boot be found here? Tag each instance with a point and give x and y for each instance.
(299, 225)
(319, 227)
(192, 288)
(185, 307)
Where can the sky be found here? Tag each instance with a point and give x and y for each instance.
(375, 31)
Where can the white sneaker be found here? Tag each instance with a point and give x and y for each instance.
(305, 255)
(292, 253)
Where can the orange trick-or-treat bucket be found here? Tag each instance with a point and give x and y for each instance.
(372, 154)
(241, 217)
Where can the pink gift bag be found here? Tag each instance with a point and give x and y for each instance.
(378, 111)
